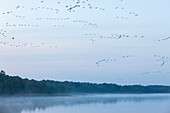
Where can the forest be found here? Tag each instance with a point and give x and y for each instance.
(15, 85)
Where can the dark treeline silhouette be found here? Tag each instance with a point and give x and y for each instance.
(78, 87)
(11, 85)
(16, 85)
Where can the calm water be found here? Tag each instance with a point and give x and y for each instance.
(124, 103)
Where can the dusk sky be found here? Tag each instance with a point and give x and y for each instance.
(113, 41)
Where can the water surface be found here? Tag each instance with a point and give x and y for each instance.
(108, 103)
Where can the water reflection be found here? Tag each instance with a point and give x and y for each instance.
(18, 104)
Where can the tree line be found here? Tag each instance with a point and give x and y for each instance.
(15, 85)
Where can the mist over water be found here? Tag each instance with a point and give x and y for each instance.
(108, 103)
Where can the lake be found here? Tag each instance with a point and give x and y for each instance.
(101, 103)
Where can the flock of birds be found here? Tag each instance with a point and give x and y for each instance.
(7, 13)
(73, 7)
(162, 59)
(125, 17)
(32, 45)
(113, 36)
(164, 39)
(155, 72)
(70, 8)
(98, 63)
(45, 8)
(95, 37)
(85, 23)
(3, 33)
(82, 4)
(61, 19)
(21, 25)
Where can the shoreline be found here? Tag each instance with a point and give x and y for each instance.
(77, 94)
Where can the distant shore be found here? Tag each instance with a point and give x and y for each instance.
(78, 94)
(16, 86)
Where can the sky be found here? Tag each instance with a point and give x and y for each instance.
(112, 41)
